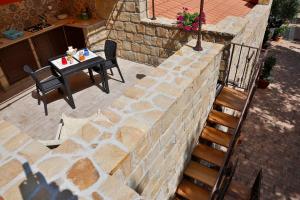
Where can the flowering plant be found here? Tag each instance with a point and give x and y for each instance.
(189, 21)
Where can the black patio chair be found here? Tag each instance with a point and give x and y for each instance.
(46, 85)
(110, 51)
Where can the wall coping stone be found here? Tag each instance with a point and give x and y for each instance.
(230, 26)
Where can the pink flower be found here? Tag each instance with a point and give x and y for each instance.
(180, 18)
(187, 28)
(195, 24)
(180, 25)
(195, 28)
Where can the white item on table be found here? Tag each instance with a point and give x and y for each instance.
(90, 56)
(59, 65)
(71, 51)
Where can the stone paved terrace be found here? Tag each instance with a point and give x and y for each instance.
(215, 10)
(26, 114)
(271, 133)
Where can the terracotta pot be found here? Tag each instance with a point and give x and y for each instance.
(263, 84)
(277, 38)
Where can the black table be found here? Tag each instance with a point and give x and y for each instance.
(68, 71)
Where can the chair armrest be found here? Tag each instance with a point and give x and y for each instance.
(42, 69)
(46, 80)
(96, 51)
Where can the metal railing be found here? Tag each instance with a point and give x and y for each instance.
(240, 70)
(252, 83)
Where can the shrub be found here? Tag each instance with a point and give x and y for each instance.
(282, 11)
(268, 66)
(280, 31)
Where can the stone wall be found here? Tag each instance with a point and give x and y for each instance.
(25, 13)
(143, 40)
(152, 41)
(22, 14)
(104, 8)
(184, 99)
(140, 142)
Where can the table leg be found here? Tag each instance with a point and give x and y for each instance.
(105, 79)
(69, 93)
(91, 75)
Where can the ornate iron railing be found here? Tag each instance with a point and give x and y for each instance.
(253, 70)
(240, 69)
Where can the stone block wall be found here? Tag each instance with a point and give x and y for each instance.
(136, 148)
(152, 41)
(21, 14)
(160, 159)
(146, 41)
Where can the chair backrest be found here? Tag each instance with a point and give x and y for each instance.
(220, 192)
(29, 71)
(110, 50)
(255, 190)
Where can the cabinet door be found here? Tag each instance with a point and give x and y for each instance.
(43, 48)
(75, 37)
(13, 58)
(58, 41)
(50, 44)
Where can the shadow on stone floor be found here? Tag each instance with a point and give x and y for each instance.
(271, 136)
(77, 82)
(36, 187)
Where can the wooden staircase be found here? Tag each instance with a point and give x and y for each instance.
(201, 174)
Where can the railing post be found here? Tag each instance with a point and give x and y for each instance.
(153, 10)
(198, 46)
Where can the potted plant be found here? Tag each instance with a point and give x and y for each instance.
(278, 33)
(189, 21)
(264, 79)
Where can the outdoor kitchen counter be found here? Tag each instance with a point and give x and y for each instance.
(71, 22)
(35, 48)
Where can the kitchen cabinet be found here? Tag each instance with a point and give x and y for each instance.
(35, 48)
(75, 37)
(13, 58)
(50, 44)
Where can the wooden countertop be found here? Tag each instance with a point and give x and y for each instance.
(85, 24)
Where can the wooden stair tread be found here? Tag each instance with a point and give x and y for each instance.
(223, 119)
(231, 100)
(191, 191)
(216, 136)
(237, 93)
(201, 173)
(209, 154)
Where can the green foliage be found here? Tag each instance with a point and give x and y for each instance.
(268, 66)
(189, 18)
(282, 11)
(280, 31)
